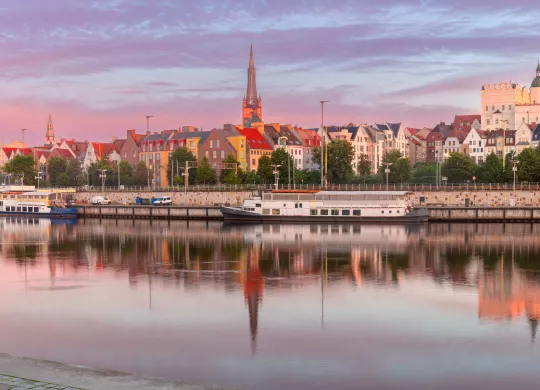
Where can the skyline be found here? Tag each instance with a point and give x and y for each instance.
(100, 68)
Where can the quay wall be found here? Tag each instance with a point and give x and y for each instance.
(498, 198)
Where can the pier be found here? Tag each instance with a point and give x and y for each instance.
(436, 214)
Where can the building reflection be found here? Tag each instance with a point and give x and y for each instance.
(500, 262)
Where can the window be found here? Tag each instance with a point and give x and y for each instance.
(207, 153)
(503, 107)
(357, 212)
(390, 212)
(312, 212)
(510, 107)
(19, 208)
(296, 205)
(214, 154)
(242, 156)
(335, 212)
(324, 212)
(266, 211)
(258, 205)
(24, 210)
(222, 154)
(346, 212)
(252, 161)
(299, 205)
(191, 144)
(496, 121)
(382, 212)
(211, 144)
(36, 209)
(275, 211)
(217, 143)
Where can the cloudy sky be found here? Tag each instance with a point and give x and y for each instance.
(99, 66)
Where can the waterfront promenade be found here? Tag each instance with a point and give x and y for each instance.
(19, 373)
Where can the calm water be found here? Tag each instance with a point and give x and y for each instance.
(278, 307)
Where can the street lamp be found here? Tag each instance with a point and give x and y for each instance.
(514, 169)
(276, 174)
(103, 176)
(387, 171)
(505, 121)
(324, 162)
(38, 178)
(148, 122)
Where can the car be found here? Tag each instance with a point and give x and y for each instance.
(163, 201)
(101, 200)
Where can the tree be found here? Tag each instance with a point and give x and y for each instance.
(57, 165)
(126, 172)
(75, 173)
(400, 167)
(286, 164)
(178, 159)
(96, 170)
(253, 177)
(340, 157)
(458, 168)
(205, 173)
(363, 168)
(491, 170)
(22, 167)
(140, 175)
(265, 170)
(231, 175)
(529, 165)
(424, 173)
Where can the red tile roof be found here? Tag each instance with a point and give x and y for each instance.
(102, 150)
(464, 122)
(64, 153)
(254, 139)
(460, 135)
(412, 130)
(309, 137)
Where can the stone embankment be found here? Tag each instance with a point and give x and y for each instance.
(498, 198)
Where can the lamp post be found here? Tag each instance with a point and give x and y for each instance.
(276, 174)
(118, 164)
(505, 121)
(38, 178)
(103, 176)
(323, 160)
(387, 171)
(514, 169)
(23, 131)
(148, 122)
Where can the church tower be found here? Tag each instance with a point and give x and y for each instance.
(535, 87)
(49, 136)
(252, 104)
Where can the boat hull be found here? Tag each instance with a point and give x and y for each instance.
(56, 213)
(237, 215)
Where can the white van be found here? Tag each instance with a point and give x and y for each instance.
(163, 201)
(100, 200)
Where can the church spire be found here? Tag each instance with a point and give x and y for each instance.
(49, 136)
(251, 95)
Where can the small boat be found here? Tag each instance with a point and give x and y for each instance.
(328, 206)
(35, 204)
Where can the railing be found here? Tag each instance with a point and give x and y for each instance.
(330, 187)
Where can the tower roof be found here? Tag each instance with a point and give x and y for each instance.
(251, 96)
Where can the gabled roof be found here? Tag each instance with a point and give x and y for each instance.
(163, 136)
(119, 143)
(291, 139)
(412, 130)
(202, 135)
(381, 127)
(395, 128)
(254, 139)
(443, 128)
(306, 135)
(64, 153)
(464, 122)
(536, 133)
(460, 135)
(102, 150)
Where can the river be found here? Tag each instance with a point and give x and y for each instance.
(446, 306)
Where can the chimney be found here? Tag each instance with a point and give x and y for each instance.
(114, 138)
(148, 132)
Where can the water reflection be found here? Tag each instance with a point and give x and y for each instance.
(497, 263)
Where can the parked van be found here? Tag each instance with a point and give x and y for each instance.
(100, 200)
(163, 201)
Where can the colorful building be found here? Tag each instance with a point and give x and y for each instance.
(257, 146)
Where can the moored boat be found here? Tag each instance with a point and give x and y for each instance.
(35, 204)
(327, 206)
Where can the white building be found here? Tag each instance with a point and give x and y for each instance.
(474, 145)
(507, 105)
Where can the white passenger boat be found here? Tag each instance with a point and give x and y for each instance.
(35, 204)
(327, 206)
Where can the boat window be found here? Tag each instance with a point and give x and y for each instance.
(382, 212)
(345, 212)
(266, 211)
(258, 205)
(313, 212)
(296, 205)
(357, 212)
(19, 208)
(335, 212)
(324, 212)
(299, 205)
(36, 209)
(275, 211)
(24, 209)
(390, 212)
(397, 211)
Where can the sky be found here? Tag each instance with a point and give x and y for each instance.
(100, 66)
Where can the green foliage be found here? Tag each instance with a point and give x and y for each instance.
(305, 177)
(22, 167)
(400, 168)
(232, 175)
(363, 168)
(424, 173)
(286, 162)
(253, 178)
(340, 157)
(57, 165)
(96, 169)
(459, 168)
(264, 170)
(178, 159)
(529, 165)
(74, 173)
(140, 175)
(491, 170)
(205, 173)
(178, 181)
